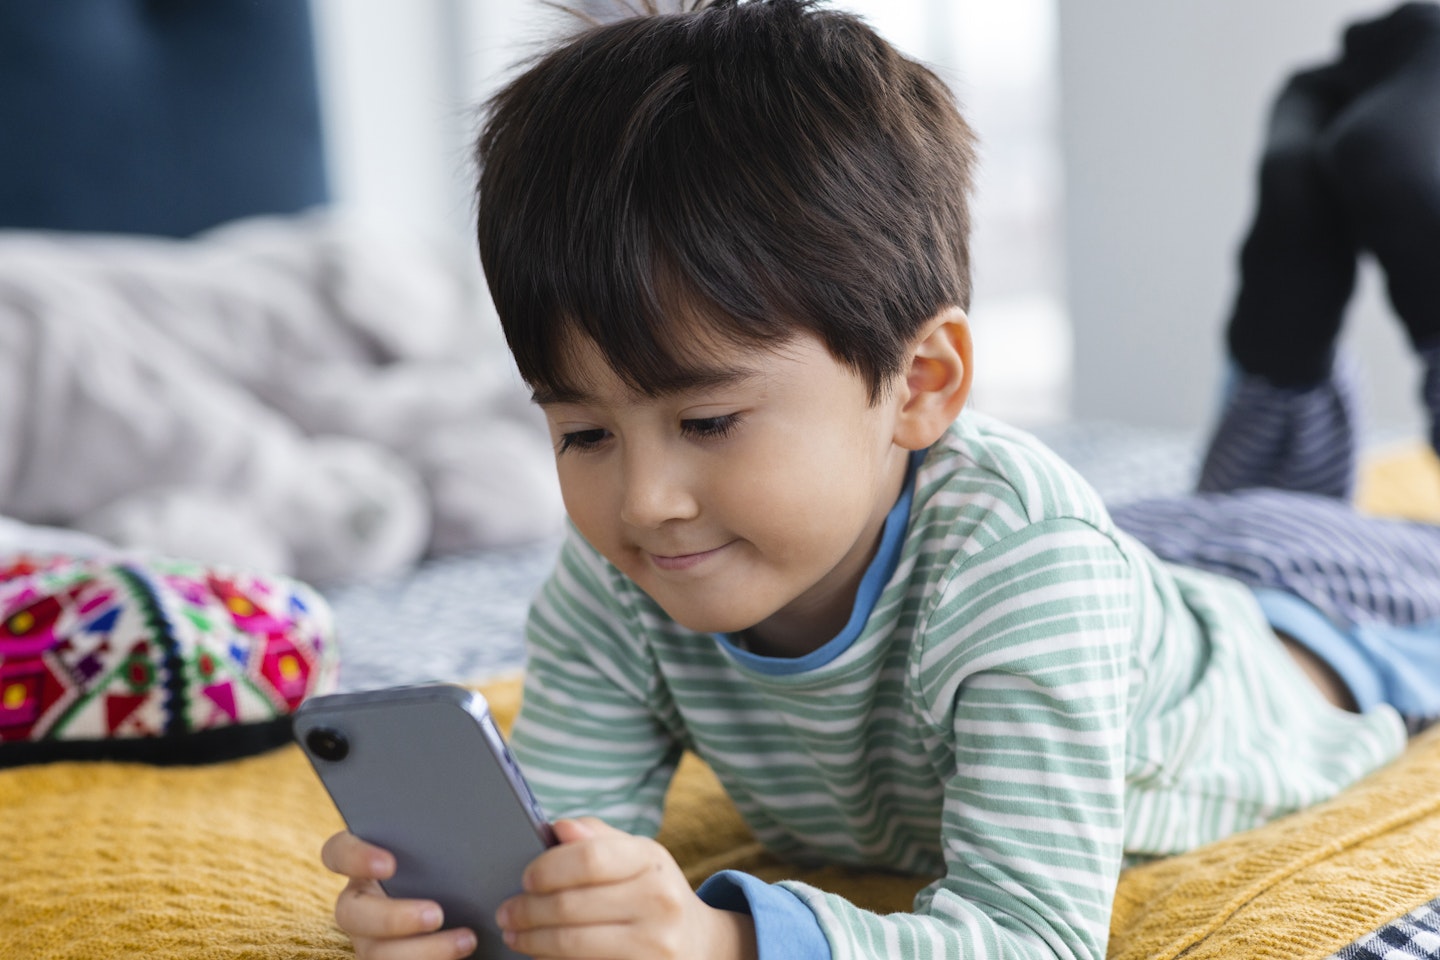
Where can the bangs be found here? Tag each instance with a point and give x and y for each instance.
(658, 341)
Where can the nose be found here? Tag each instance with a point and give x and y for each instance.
(656, 489)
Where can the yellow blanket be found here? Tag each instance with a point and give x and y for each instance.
(115, 860)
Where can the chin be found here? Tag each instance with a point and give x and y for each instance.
(708, 621)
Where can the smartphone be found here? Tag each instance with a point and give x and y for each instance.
(424, 772)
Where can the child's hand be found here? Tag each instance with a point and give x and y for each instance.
(379, 926)
(604, 893)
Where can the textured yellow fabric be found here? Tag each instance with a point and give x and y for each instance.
(102, 861)
(1402, 481)
(1301, 887)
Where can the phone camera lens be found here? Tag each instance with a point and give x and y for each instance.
(327, 744)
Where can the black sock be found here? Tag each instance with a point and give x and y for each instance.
(1297, 267)
(1352, 161)
(1382, 152)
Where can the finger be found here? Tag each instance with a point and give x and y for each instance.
(445, 945)
(348, 855)
(607, 903)
(597, 942)
(364, 911)
(607, 858)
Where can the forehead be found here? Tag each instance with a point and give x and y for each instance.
(585, 374)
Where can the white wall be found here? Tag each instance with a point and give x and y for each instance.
(1163, 107)
(393, 115)
(401, 85)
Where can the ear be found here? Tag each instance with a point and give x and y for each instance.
(936, 383)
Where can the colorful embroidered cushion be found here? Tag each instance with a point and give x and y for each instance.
(164, 661)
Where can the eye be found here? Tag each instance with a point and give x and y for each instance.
(710, 428)
(581, 441)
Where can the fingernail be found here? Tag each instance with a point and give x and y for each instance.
(431, 917)
(502, 916)
(465, 942)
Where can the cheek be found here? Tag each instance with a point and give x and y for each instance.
(807, 499)
(586, 496)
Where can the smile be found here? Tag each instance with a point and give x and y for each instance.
(684, 561)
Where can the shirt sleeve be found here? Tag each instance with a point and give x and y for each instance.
(785, 929)
(588, 736)
(1025, 669)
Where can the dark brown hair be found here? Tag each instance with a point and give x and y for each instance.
(767, 166)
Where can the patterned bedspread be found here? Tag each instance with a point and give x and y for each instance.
(1417, 934)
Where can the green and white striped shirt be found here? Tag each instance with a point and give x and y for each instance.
(1033, 699)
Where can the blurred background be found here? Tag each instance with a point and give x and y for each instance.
(1119, 145)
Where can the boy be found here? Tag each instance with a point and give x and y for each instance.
(729, 251)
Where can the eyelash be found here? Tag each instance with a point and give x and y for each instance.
(706, 428)
(582, 441)
(711, 428)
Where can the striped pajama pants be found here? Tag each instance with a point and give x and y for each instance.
(1272, 511)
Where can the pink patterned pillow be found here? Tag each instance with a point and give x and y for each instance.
(162, 661)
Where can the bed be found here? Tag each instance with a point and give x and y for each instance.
(272, 347)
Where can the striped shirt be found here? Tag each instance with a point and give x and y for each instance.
(1033, 699)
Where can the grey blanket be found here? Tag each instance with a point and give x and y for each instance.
(293, 394)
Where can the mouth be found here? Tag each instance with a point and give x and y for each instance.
(684, 561)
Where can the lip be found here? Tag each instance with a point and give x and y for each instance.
(680, 562)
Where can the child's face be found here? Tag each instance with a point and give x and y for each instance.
(751, 502)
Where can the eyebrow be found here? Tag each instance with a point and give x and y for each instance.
(687, 382)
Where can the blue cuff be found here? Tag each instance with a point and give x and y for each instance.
(785, 929)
